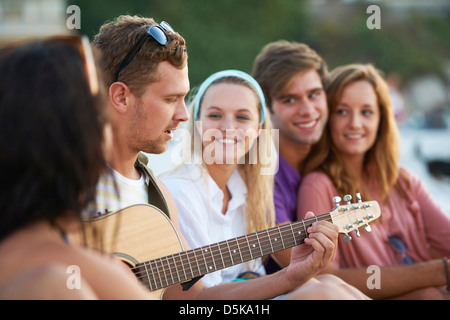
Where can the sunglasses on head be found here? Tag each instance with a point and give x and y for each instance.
(157, 32)
(84, 47)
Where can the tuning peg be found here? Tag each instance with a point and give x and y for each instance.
(367, 227)
(337, 201)
(347, 238)
(348, 198)
(357, 233)
(358, 196)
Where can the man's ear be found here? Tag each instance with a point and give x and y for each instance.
(120, 96)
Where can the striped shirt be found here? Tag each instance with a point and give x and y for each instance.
(115, 192)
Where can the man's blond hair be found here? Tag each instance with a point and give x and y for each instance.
(116, 38)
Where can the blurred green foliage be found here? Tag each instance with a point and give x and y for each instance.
(411, 44)
(230, 33)
(219, 34)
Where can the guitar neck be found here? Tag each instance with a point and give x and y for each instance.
(183, 266)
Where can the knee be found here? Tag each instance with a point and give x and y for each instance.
(327, 287)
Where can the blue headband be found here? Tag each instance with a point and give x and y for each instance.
(224, 74)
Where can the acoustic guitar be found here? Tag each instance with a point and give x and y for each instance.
(144, 238)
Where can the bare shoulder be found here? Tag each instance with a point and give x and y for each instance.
(108, 276)
(55, 270)
(45, 282)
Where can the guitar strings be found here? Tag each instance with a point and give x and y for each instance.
(175, 270)
(223, 250)
(171, 271)
(214, 251)
(172, 275)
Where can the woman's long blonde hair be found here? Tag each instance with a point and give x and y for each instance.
(259, 205)
(381, 162)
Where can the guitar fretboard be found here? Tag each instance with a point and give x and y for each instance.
(183, 266)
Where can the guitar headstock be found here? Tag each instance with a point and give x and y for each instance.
(351, 216)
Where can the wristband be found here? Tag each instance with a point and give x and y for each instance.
(447, 275)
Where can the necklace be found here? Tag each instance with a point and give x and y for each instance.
(63, 235)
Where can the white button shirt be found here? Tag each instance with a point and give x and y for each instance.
(199, 202)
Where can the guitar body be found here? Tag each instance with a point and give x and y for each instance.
(144, 238)
(135, 234)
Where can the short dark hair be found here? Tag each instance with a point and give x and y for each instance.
(51, 132)
(279, 61)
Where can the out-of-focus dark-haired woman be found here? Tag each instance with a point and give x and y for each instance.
(52, 141)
